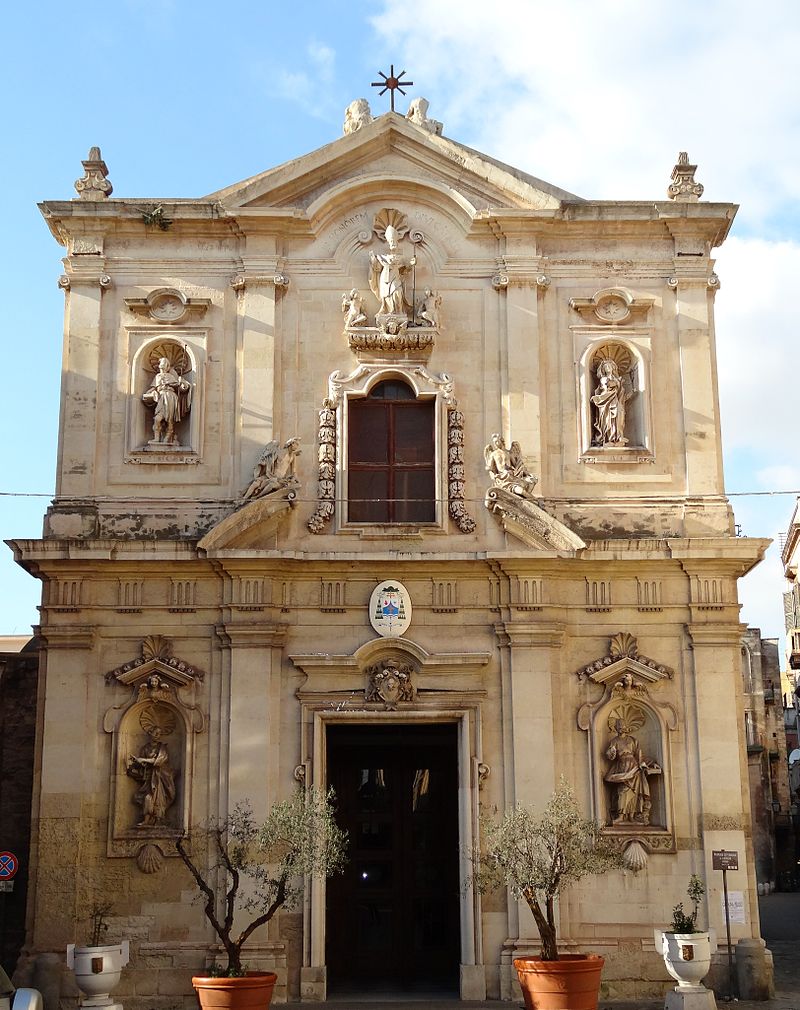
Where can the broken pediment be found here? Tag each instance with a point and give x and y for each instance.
(390, 153)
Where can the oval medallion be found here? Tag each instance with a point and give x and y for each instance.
(390, 609)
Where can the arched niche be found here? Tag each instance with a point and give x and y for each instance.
(628, 740)
(614, 391)
(153, 733)
(184, 353)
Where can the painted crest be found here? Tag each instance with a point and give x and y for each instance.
(390, 609)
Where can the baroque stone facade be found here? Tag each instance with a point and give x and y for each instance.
(222, 620)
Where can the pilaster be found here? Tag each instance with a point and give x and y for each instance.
(83, 285)
(254, 705)
(258, 286)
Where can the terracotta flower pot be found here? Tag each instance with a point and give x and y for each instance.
(252, 991)
(570, 983)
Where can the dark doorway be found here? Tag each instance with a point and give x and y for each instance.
(393, 918)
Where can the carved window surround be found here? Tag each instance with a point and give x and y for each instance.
(145, 344)
(612, 307)
(333, 440)
(155, 679)
(628, 683)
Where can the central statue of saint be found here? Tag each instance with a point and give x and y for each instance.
(386, 279)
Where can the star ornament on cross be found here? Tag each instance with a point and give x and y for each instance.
(392, 83)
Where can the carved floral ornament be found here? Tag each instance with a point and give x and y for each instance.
(628, 739)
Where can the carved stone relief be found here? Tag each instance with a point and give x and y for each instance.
(628, 735)
(510, 498)
(326, 467)
(168, 305)
(612, 306)
(390, 683)
(153, 740)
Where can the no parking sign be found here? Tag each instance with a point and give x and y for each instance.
(9, 864)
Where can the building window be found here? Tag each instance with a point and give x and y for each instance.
(391, 456)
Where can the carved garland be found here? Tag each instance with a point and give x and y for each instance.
(326, 473)
(455, 469)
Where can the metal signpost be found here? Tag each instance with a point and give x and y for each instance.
(726, 859)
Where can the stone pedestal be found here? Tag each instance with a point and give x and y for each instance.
(692, 997)
(753, 970)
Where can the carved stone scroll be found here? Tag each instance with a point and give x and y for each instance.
(94, 185)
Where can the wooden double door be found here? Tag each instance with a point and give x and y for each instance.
(393, 917)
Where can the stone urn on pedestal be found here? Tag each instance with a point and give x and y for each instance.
(687, 955)
(98, 966)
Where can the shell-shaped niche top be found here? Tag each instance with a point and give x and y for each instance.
(168, 305)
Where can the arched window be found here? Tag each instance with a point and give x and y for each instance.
(391, 456)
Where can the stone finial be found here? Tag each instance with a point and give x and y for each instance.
(418, 115)
(94, 185)
(356, 115)
(683, 188)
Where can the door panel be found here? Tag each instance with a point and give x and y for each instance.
(393, 918)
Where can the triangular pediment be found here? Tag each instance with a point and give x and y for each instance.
(391, 153)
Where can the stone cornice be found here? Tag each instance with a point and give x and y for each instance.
(251, 636)
(715, 635)
(76, 636)
(528, 635)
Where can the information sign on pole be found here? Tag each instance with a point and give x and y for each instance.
(724, 859)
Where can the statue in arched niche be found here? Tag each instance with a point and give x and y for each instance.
(629, 773)
(169, 393)
(151, 767)
(610, 398)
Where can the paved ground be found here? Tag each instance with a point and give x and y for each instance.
(780, 927)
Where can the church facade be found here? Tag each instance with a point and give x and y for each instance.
(395, 469)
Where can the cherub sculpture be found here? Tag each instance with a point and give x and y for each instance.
(352, 307)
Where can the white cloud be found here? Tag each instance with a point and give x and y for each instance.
(599, 98)
(308, 87)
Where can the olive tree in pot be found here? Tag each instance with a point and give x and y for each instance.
(686, 949)
(259, 868)
(537, 857)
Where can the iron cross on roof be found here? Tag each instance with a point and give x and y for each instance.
(391, 84)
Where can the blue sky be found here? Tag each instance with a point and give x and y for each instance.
(595, 97)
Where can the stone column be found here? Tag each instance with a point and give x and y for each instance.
(83, 284)
(530, 657)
